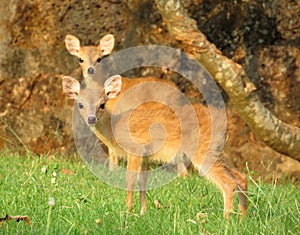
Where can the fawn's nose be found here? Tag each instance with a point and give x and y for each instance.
(91, 70)
(91, 120)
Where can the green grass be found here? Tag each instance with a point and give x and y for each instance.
(192, 206)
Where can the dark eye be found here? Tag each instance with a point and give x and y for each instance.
(102, 106)
(101, 58)
(80, 60)
(80, 105)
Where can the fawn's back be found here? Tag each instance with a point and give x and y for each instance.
(159, 132)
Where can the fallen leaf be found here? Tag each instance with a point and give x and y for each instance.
(157, 204)
(201, 217)
(17, 218)
(67, 172)
(99, 222)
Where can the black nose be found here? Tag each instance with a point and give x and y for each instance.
(91, 70)
(91, 120)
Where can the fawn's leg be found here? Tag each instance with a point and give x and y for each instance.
(113, 160)
(242, 189)
(133, 167)
(219, 175)
(182, 170)
(142, 180)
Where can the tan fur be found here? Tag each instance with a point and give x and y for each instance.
(92, 99)
(88, 55)
(149, 143)
(129, 105)
(140, 120)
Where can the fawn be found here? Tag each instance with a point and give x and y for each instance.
(89, 56)
(149, 147)
(71, 88)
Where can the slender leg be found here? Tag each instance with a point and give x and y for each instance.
(242, 189)
(113, 160)
(182, 170)
(130, 181)
(133, 167)
(181, 167)
(142, 180)
(220, 175)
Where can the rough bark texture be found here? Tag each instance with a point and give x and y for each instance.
(278, 135)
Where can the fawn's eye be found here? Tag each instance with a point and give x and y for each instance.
(101, 58)
(80, 60)
(102, 106)
(80, 105)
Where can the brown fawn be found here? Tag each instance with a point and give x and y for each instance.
(89, 56)
(139, 123)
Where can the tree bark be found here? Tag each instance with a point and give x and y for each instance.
(280, 136)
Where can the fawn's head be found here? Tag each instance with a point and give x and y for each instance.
(91, 101)
(89, 56)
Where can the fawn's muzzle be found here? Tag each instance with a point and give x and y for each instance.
(91, 70)
(91, 120)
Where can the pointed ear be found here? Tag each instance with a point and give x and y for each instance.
(113, 86)
(106, 44)
(72, 44)
(71, 87)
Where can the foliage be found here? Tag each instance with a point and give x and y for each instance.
(85, 205)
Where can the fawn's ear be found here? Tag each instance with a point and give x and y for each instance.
(106, 44)
(72, 44)
(71, 87)
(113, 86)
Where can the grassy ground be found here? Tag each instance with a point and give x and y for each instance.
(85, 205)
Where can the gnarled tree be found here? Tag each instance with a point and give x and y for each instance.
(280, 136)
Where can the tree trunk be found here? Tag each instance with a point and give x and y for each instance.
(232, 78)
